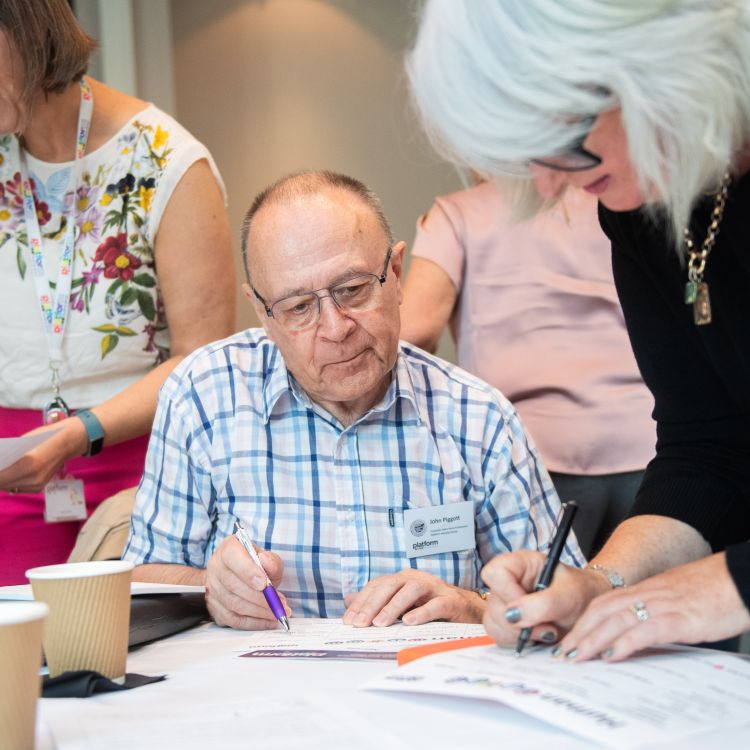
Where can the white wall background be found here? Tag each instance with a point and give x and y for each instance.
(273, 86)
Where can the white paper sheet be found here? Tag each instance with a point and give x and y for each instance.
(314, 633)
(664, 695)
(23, 591)
(229, 725)
(11, 449)
(140, 588)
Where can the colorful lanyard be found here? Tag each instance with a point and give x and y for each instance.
(55, 310)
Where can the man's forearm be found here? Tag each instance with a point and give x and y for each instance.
(165, 573)
(646, 545)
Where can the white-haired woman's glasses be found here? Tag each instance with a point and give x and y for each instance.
(575, 158)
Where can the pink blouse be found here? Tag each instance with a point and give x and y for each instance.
(538, 317)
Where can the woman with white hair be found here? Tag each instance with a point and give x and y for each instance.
(645, 104)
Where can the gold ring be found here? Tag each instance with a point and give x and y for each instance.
(640, 611)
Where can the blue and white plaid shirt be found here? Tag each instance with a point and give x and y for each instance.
(236, 437)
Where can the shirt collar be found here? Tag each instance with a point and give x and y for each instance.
(279, 382)
(275, 382)
(401, 387)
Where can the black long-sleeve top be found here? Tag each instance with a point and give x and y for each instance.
(699, 375)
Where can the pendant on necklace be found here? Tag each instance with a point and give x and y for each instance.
(691, 292)
(701, 304)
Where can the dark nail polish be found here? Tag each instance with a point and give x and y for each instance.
(607, 653)
(513, 614)
(556, 651)
(549, 637)
(572, 653)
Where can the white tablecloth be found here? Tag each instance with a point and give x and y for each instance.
(213, 699)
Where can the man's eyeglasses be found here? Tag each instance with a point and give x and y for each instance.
(575, 158)
(356, 294)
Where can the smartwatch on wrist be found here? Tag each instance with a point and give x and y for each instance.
(94, 431)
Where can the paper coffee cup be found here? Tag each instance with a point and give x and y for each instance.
(20, 659)
(89, 617)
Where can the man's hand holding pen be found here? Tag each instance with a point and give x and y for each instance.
(234, 587)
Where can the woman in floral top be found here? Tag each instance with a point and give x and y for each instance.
(152, 270)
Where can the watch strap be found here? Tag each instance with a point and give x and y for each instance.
(94, 431)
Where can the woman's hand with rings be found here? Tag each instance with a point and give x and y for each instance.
(688, 604)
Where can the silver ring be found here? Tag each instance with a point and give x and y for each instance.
(640, 611)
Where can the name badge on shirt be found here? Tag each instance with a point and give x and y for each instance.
(64, 500)
(434, 529)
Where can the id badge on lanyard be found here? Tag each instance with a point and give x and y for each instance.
(64, 498)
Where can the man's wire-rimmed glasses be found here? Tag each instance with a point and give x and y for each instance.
(575, 158)
(358, 293)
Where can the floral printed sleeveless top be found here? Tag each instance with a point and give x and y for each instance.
(116, 330)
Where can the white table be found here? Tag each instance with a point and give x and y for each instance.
(213, 699)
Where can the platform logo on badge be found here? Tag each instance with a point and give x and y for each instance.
(418, 527)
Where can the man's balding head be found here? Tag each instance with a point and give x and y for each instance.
(306, 185)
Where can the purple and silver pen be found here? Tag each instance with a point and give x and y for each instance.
(269, 591)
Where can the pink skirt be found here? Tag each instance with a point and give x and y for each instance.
(26, 539)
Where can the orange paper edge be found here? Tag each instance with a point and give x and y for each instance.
(417, 652)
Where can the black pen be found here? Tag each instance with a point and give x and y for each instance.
(550, 564)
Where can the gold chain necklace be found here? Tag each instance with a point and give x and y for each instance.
(696, 290)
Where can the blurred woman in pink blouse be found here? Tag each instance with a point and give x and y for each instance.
(533, 310)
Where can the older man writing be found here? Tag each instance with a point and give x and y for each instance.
(376, 479)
